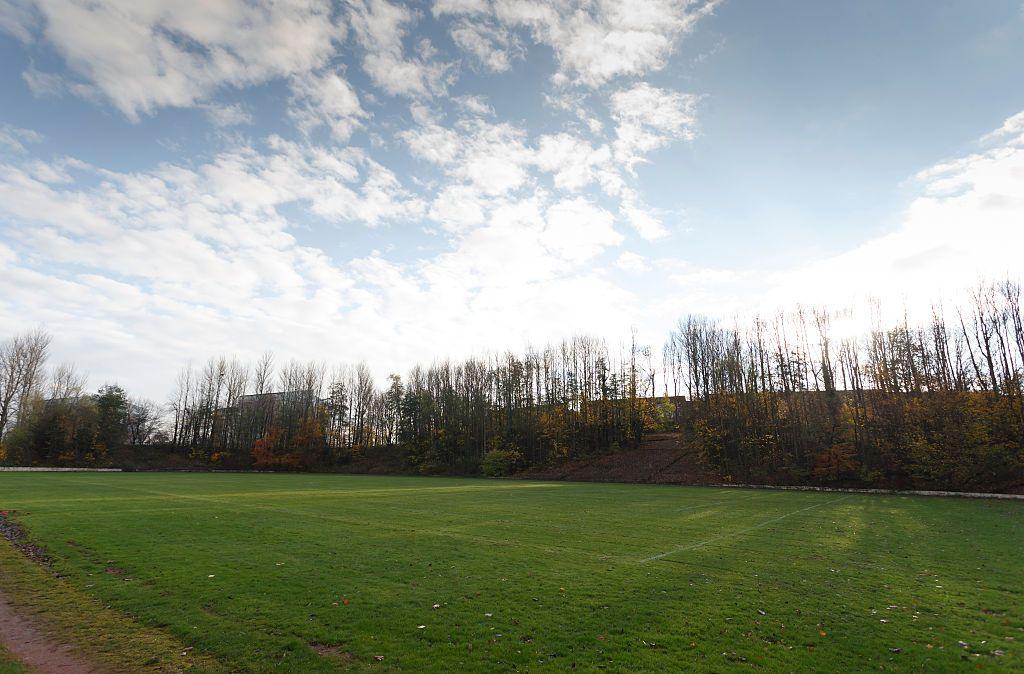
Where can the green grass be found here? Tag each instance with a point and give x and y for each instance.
(8, 665)
(251, 570)
(65, 612)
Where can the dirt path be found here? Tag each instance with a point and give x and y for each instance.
(36, 650)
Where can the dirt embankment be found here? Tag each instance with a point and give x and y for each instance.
(659, 459)
(386, 461)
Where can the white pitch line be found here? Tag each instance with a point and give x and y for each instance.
(743, 531)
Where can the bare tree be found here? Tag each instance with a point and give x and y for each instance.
(66, 382)
(21, 371)
(142, 421)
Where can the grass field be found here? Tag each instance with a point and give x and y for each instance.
(312, 573)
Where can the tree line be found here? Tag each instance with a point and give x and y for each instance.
(937, 404)
(47, 418)
(563, 401)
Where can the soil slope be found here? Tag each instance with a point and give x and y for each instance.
(660, 458)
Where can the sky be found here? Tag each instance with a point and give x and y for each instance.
(401, 182)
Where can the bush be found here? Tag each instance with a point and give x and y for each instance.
(500, 462)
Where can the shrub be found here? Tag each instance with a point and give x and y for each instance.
(500, 462)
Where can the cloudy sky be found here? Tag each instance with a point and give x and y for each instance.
(397, 182)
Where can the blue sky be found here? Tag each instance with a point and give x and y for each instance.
(397, 182)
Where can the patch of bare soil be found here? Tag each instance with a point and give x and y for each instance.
(16, 535)
(36, 650)
(660, 458)
(330, 651)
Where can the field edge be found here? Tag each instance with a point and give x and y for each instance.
(108, 639)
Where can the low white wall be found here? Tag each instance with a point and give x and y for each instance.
(896, 492)
(44, 469)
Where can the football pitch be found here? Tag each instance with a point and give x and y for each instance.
(264, 572)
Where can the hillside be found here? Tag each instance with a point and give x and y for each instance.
(660, 458)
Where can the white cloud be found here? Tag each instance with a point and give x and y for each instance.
(494, 174)
(648, 118)
(524, 243)
(965, 224)
(492, 46)
(577, 230)
(326, 99)
(18, 18)
(13, 138)
(227, 115)
(646, 224)
(225, 208)
(476, 105)
(145, 55)
(179, 263)
(574, 162)
(44, 84)
(459, 208)
(433, 143)
(381, 28)
(185, 261)
(631, 262)
(470, 7)
(210, 252)
(593, 41)
(1012, 129)
(493, 157)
